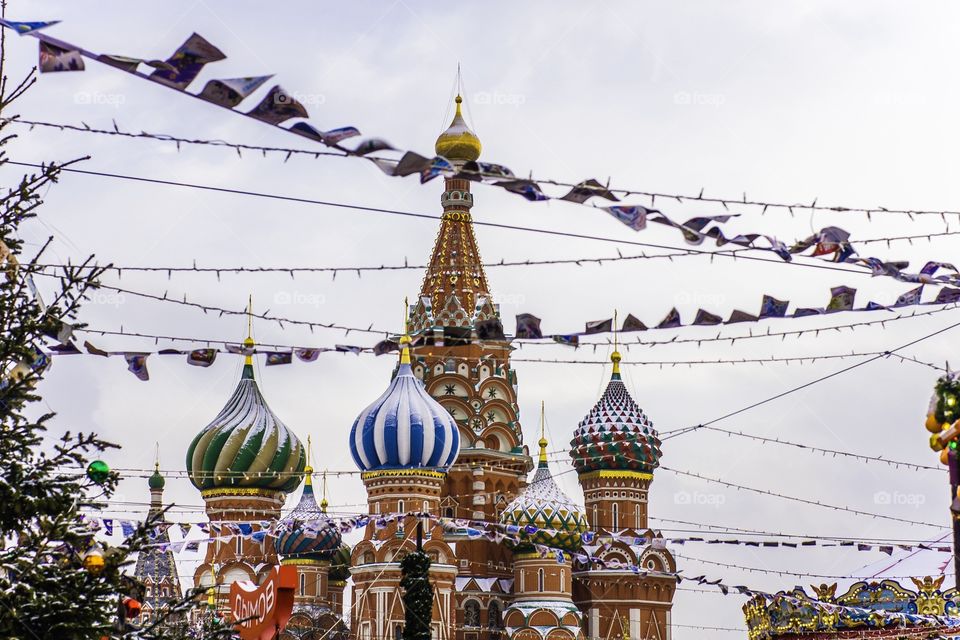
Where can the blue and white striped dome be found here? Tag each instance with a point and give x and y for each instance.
(405, 428)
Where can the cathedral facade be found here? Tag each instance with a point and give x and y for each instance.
(445, 438)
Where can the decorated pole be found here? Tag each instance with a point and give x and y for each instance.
(943, 421)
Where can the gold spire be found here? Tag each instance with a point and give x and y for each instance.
(458, 143)
(405, 338)
(308, 470)
(543, 435)
(249, 343)
(615, 356)
(323, 499)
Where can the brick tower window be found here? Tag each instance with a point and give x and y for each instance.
(540, 580)
(616, 515)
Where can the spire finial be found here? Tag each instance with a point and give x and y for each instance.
(323, 499)
(308, 470)
(248, 342)
(615, 356)
(156, 457)
(543, 435)
(405, 338)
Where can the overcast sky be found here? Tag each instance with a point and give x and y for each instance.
(850, 103)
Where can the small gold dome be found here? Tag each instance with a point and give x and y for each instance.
(458, 143)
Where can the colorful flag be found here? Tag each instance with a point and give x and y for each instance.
(231, 91)
(632, 323)
(371, 145)
(947, 295)
(92, 350)
(528, 326)
(202, 357)
(909, 298)
(634, 217)
(671, 321)
(346, 348)
(438, 166)
(137, 365)
(279, 357)
(599, 326)
(278, 106)
(741, 316)
(586, 190)
(806, 311)
(571, 340)
(491, 329)
(841, 299)
(410, 163)
(773, 308)
(384, 347)
(24, 28)
(706, 318)
(187, 62)
(526, 188)
(130, 64)
(54, 58)
(307, 355)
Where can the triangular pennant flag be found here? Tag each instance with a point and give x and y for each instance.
(278, 106)
(54, 58)
(187, 62)
(231, 91)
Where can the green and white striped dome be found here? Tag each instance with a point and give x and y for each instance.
(246, 446)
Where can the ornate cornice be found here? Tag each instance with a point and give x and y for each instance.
(616, 473)
(385, 473)
(241, 491)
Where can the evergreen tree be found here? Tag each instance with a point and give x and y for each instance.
(56, 580)
(417, 595)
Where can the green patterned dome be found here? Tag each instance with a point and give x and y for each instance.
(246, 446)
(543, 505)
(156, 480)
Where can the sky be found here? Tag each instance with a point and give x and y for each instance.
(849, 103)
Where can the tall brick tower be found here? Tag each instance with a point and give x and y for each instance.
(615, 450)
(462, 356)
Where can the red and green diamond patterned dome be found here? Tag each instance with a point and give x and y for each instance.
(616, 435)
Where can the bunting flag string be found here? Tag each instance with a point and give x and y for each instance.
(638, 342)
(680, 198)
(278, 106)
(842, 298)
(206, 356)
(595, 542)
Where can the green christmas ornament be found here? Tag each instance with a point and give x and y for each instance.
(98, 471)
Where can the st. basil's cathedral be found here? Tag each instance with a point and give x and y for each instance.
(444, 438)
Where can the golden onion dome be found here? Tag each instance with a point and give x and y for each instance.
(458, 143)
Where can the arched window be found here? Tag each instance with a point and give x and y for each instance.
(471, 613)
(616, 515)
(239, 545)
(494, 615)
(563, 580)
(400, 506)
(636, 517)
(400, 510)
(448, 512)
(540, 580)
(303, 584)
(595, 523)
